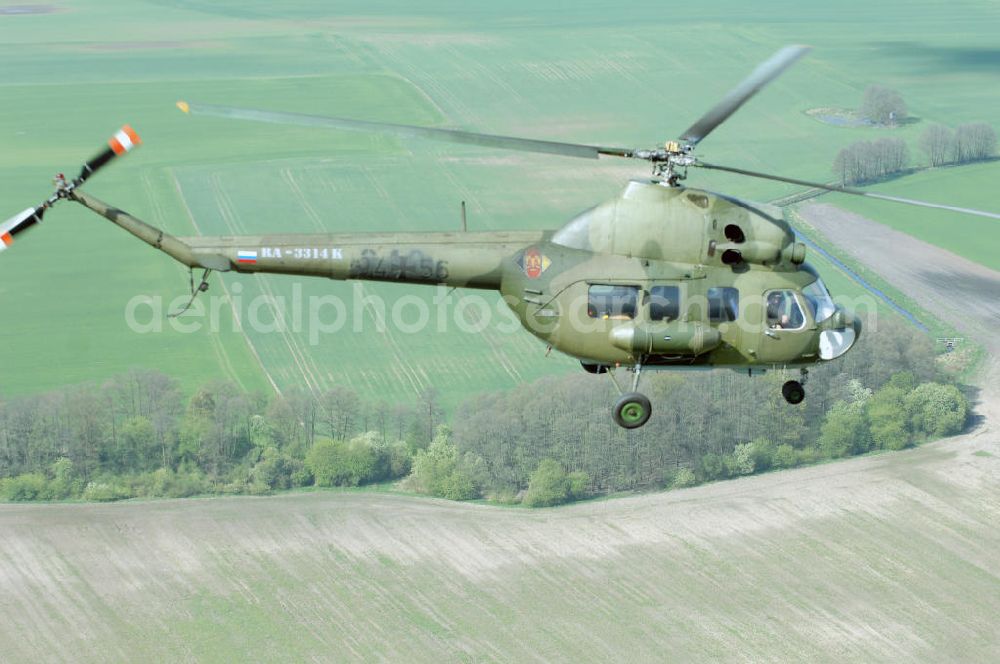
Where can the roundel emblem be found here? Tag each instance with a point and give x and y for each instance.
(533, 263)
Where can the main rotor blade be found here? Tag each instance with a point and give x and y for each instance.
(758, 78)
(848, 190)
(407, 131)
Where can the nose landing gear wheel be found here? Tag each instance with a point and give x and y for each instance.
(793, 392)
(632, 410)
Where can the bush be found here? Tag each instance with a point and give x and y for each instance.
(30, 486)
(503, 497)
(887, 419)
(743, 460)
(64, 483)
(336, 463)
(186, 483)
(845, 431)
(436, 470)
(105, 492)
(684, 477)
(550, 485)
(784, 457)
(713, 467)
(161, 481)
(936, 410)
(302, 477)
(762, 452)
(807, 455)
(400, 461)
(276, 470)
(458, 486)
(140, 485)
(578, 483)
(327, 461)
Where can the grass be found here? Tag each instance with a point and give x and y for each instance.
(524, 68)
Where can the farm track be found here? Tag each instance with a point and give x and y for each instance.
(881, 558)
(961, 292)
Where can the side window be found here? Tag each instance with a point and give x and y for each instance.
(614, 302)
(783, 311)
(664, 303)
(723, 305)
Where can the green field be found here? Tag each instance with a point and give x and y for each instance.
(632, 76)
(976, 238)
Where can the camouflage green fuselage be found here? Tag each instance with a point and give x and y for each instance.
(655, 236)
(650, 239)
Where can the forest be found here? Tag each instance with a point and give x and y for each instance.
(542, 443)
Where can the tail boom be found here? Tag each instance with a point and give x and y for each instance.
(462, 260)
(466, 260)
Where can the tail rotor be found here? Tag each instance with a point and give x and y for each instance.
(124, 141)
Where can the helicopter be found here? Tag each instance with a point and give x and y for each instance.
(662, 276)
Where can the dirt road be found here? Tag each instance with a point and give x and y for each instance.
(956, 290)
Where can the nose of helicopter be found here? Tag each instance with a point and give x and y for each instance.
(836, 341)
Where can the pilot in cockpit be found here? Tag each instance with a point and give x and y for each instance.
(781, 309)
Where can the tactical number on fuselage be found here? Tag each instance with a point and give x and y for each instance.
(414, 266)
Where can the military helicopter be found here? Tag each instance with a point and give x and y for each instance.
(660, 277)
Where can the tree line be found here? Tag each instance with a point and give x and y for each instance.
(888, 393)
(541, 443)
(870, 161)
(975, 141)
(138, 435)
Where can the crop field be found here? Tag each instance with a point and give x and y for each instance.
(629, 76)
(884, 558)
(887, 557)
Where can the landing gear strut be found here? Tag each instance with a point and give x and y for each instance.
(793, 390)
(632, 409)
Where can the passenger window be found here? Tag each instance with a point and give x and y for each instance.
(783, 311)
(614, 302)
(664, 303)
(723, 305)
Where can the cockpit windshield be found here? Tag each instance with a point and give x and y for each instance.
(820, 303)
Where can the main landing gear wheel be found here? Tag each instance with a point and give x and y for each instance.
(793, 392)
(632, 410)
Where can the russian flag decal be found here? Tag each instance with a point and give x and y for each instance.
(246, 256)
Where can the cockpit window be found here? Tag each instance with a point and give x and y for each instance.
(783, 311)
(819, 301)
(614, 302)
